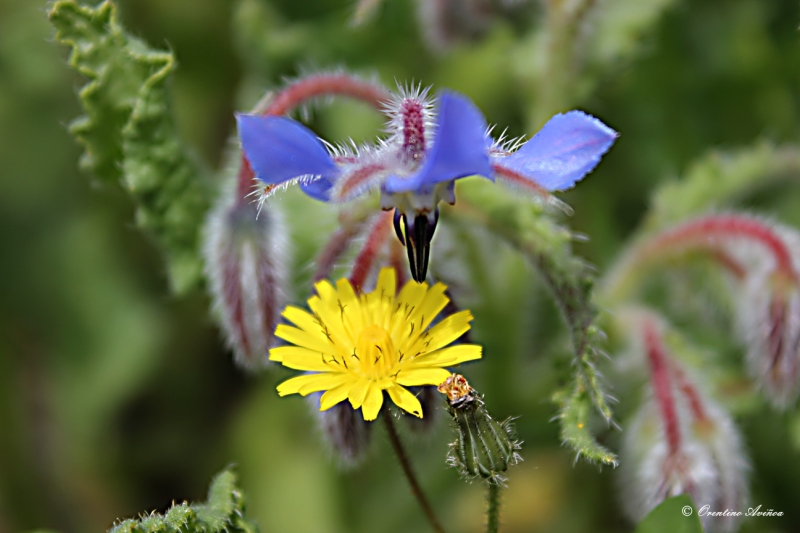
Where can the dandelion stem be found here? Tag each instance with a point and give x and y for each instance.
(409, 472)
(301, 91)
(493, 511)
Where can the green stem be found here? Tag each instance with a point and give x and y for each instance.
(409, 472)
(493, 512)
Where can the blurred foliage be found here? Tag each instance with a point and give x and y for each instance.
(223, 512)
(115, 397)
(669, 518)
(128, 131)
(548, 247)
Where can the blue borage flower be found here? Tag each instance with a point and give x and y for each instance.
(428, 147)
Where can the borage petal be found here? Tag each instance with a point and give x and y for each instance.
(459, 149)
(567, 148)
(280, 149)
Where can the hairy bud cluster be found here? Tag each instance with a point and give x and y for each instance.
(681, 442)
(769, 322)
(711, 466)
(345, 430)
(483, 447)
(245, 253)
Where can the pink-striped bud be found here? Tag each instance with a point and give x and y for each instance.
(710, 466)
(681, 442)
(245, 254)
(769, 320)
(345, 431)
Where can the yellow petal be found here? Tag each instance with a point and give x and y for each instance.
(276, 354)
(422, 376)
(304, 339)
(412, 293)
(309, 360)
(303, 320)
(449, 356)
(443, 333)
(357, 393)
(309, 383)
(406, 401)
(372, 403)
(332, 318)
(434, 301)
(325, 381)
(380, 301)
(334, 396)
(387, 283)
(353, 318)
(325, 290)
(405, 304)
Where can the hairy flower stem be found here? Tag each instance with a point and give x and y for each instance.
(301, 91)
(400, 451)
(350, 227)
(562, 62)
(365, 260)
(727, 226)
(704, 234)
(493, 512)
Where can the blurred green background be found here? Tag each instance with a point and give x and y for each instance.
(116, 397)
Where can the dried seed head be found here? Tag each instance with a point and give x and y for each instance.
(483, 447)
(245, 254)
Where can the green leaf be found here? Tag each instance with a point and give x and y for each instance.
(129, 133)
(669, 517)
(223, 512)
(549, 248)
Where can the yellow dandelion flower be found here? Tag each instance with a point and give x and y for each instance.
(357, 346)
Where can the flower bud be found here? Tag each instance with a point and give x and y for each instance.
(710, 465)
(769, 319)
(681, 442)
(245, 253)
(345, 430)
(483, 447)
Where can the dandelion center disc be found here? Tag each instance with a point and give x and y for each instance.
(376, 352)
